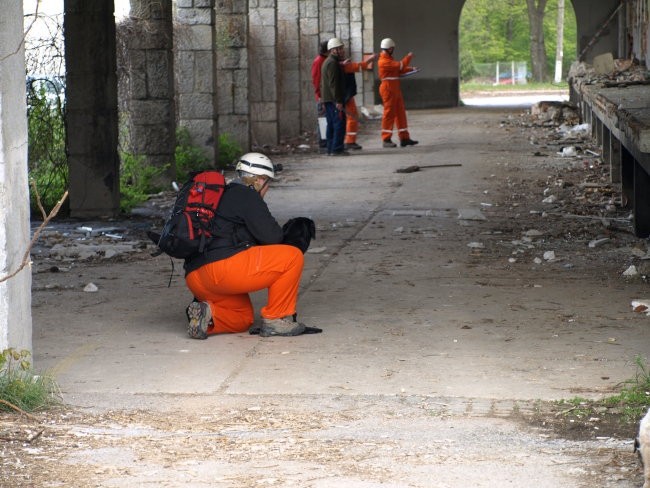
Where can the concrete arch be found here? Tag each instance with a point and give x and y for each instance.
(429, 28)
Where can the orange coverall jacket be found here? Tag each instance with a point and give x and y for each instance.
(391, 94)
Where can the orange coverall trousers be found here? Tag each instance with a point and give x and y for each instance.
(351, 122)
(394, 111)
(225, 285)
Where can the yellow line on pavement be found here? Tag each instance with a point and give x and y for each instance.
(77, 355)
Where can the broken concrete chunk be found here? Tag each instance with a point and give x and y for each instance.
(470, 214)
(604, 64)
(549, 255)
(631, 271)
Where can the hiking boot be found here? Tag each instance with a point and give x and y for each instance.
(389, 143)
(199, 318)
(285, 326)
(407, 142)
(353, 145)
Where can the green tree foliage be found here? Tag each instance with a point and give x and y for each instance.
(498, 30)
(48, 163)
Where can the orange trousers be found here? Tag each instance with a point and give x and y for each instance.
(225, 285)
(394, 111)
(352, 121)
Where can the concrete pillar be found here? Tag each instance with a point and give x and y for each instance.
(91, 90)
(196, 81)
(288, 67)
(147, 88)
(263, 72)
(366, 88)
(232, 70)
(615, 161)
(310, 39)
(15, 292)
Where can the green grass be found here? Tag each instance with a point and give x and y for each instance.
(631, 403)
(21, 388)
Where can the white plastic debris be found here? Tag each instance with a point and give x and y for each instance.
(303, 146)
(631, 271)
(641, 305)
(537, 261)
(91, 288)
(398, 230)
(549, 255)
(550, 199)
(598, 242)
(476, 245)
(569, 152)
(512, 260)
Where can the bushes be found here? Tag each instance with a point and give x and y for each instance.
(189, 157)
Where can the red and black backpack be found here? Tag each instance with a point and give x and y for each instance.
(189, 228)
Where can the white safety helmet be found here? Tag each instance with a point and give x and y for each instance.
(333, 43)
(387, 43)
(256, 164)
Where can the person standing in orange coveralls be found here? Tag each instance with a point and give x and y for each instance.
(391, 94)
(350, 107)
(245, 256)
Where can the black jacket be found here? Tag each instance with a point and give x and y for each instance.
(243, 220)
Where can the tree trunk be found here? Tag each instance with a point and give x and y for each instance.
(537, 49)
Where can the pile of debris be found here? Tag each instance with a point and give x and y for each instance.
(608, 72)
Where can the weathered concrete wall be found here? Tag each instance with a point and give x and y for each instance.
(260, 89)
(91, 90)
(147, 84)
(15, 293)
(196, 82)
(590, 16)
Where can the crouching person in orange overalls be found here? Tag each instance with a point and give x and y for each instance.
(245, 256)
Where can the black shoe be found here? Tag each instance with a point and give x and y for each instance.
(353, 145)
(407, 142)
(389, 143)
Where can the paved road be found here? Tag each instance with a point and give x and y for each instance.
(433, 343)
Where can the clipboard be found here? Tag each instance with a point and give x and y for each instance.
(410, 73)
